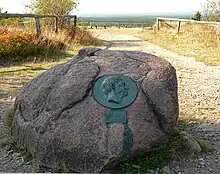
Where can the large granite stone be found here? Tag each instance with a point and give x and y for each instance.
(58, 120)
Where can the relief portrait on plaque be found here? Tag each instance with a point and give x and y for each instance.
(115, 91)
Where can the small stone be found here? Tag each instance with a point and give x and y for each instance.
(211, 169)
(166, 169)
(11, 151)
(201, 159)
(7, 147)
(28, 163)
(136, 166)
(15, 155)
(202, 163)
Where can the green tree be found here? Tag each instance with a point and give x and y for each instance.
(197, 16)
(53, 7)
(2, 10)
(211, 10)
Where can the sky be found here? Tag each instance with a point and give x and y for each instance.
(118, 6)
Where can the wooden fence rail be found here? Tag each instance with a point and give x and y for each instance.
(160, 19)
(37, 19)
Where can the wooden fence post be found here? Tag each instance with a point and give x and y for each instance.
(57, 25)
(178, 26)
(38, 28)
(119, 25)
(158, 24)
(75, 21)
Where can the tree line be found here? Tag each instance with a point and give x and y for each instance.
(211, 11)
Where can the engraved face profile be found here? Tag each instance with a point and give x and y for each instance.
(115, 91)
(115, 88)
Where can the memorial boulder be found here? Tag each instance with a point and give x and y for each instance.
(96, 110)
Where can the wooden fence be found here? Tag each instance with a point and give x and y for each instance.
(37, 19)
(160, 19)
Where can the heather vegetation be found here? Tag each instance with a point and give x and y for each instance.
(18, 44)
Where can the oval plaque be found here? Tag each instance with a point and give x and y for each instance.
(115, 91)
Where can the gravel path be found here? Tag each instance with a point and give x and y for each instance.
(199, 99)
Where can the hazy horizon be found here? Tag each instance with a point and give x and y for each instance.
(140, 14)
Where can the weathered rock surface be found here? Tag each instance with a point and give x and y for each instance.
(57, 119)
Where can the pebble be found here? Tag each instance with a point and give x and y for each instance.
(29, 162)
(136, 166)
(202, 163)
(211, 169)
(201, 159)
(11, 151)
(7, 147)
(15, 155)
(166, 169)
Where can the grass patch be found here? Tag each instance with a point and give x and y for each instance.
(194, 40)
(27, 155)
(13, 78)
(205, 145)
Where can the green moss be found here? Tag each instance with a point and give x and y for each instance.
(205, 145)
